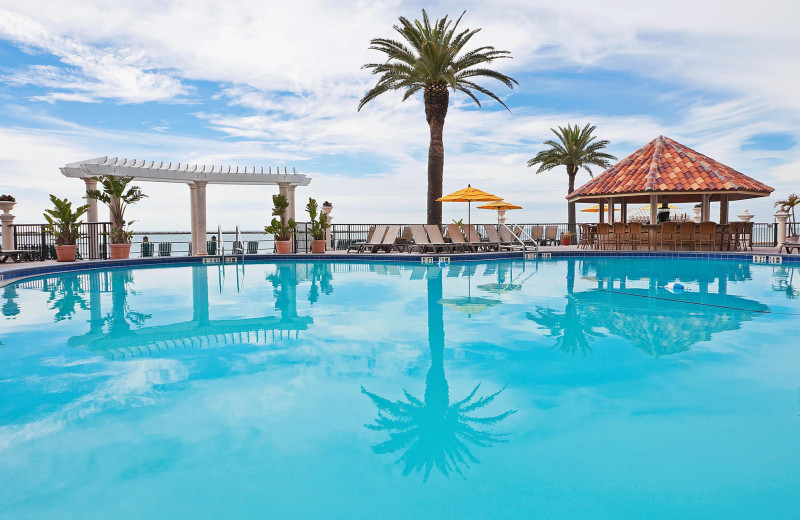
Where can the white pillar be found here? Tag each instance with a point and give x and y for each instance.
(92, 217)
(327, 211)
(290, 198)
(781, 217)
(193, 206)
(283, 189)
(201, 218)
(6, 222)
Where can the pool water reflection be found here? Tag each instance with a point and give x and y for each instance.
(579, 388)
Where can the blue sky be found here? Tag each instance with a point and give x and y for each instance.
(268, 83)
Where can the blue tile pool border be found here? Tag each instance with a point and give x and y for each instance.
(28, 271)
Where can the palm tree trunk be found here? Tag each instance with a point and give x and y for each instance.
(436, 100)
(571, 218)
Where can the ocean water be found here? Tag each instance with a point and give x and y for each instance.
(578, 388)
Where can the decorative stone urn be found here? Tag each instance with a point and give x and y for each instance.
(746, 216)
(7, 205)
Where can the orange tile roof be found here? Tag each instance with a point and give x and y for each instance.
(664, 165)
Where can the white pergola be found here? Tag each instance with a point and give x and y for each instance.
(196, 176)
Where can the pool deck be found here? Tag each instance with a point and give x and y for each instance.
(11, 272)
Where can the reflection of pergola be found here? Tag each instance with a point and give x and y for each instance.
(197, 177)
(665, 170)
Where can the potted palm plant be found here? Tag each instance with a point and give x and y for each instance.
(117, 195)
(319, 226)
(64, 223)
(566, 238)
(281, 229)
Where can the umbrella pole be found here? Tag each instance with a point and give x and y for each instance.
(469, 215)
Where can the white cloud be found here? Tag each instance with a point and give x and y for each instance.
(94, 74)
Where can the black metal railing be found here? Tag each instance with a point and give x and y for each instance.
(92, 240)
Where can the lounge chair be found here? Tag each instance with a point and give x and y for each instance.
(389, 241)
(436, 238)
(148, 248)
(474, 238)
(508, 240)
(211, 247)
(238, 247)
(165, 249)
(374, 237)
(454, 232)
(537, 233)
(494, 239)
(252, 247)
(17, 255)
(422, 243)
(550, 237)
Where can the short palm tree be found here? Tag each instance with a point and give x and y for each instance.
(432, 59)
(788, 204)
(576, 148)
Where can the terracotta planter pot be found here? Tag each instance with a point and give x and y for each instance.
(120, 251)
(318, 246)
(66, 253)
(283, 247)
(566, 241)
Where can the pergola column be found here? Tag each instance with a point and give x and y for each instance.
(623, 213)
(602, 208)
(724, 201)
(193, 210)
(92, 217)
(290, 198)
(200, 218)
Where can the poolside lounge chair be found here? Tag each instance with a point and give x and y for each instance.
(374, 237)
(165, 249)
(455, 234)
(237, 248)
(388, 243)
(147, 249)
(493, 237)
(435, 236)
(537, 233)
(252, 247)
(17, 255)
(211, 247)
(550, 233)
(422, 243)
(508, 240)
(474, 238)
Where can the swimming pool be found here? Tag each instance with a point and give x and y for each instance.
(577, 388)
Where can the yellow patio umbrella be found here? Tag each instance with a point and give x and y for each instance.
(596, 209)
(501, 206)
(468, 195)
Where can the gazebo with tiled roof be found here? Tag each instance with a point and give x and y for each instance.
(667, 171)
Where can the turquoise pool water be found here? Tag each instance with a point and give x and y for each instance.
(554, 389)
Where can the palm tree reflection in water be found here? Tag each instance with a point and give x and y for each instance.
(433, 432)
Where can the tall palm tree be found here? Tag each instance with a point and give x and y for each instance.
(576, 148)
(788, 204)
(432, 59)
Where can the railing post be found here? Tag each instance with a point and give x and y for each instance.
(44, 241)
